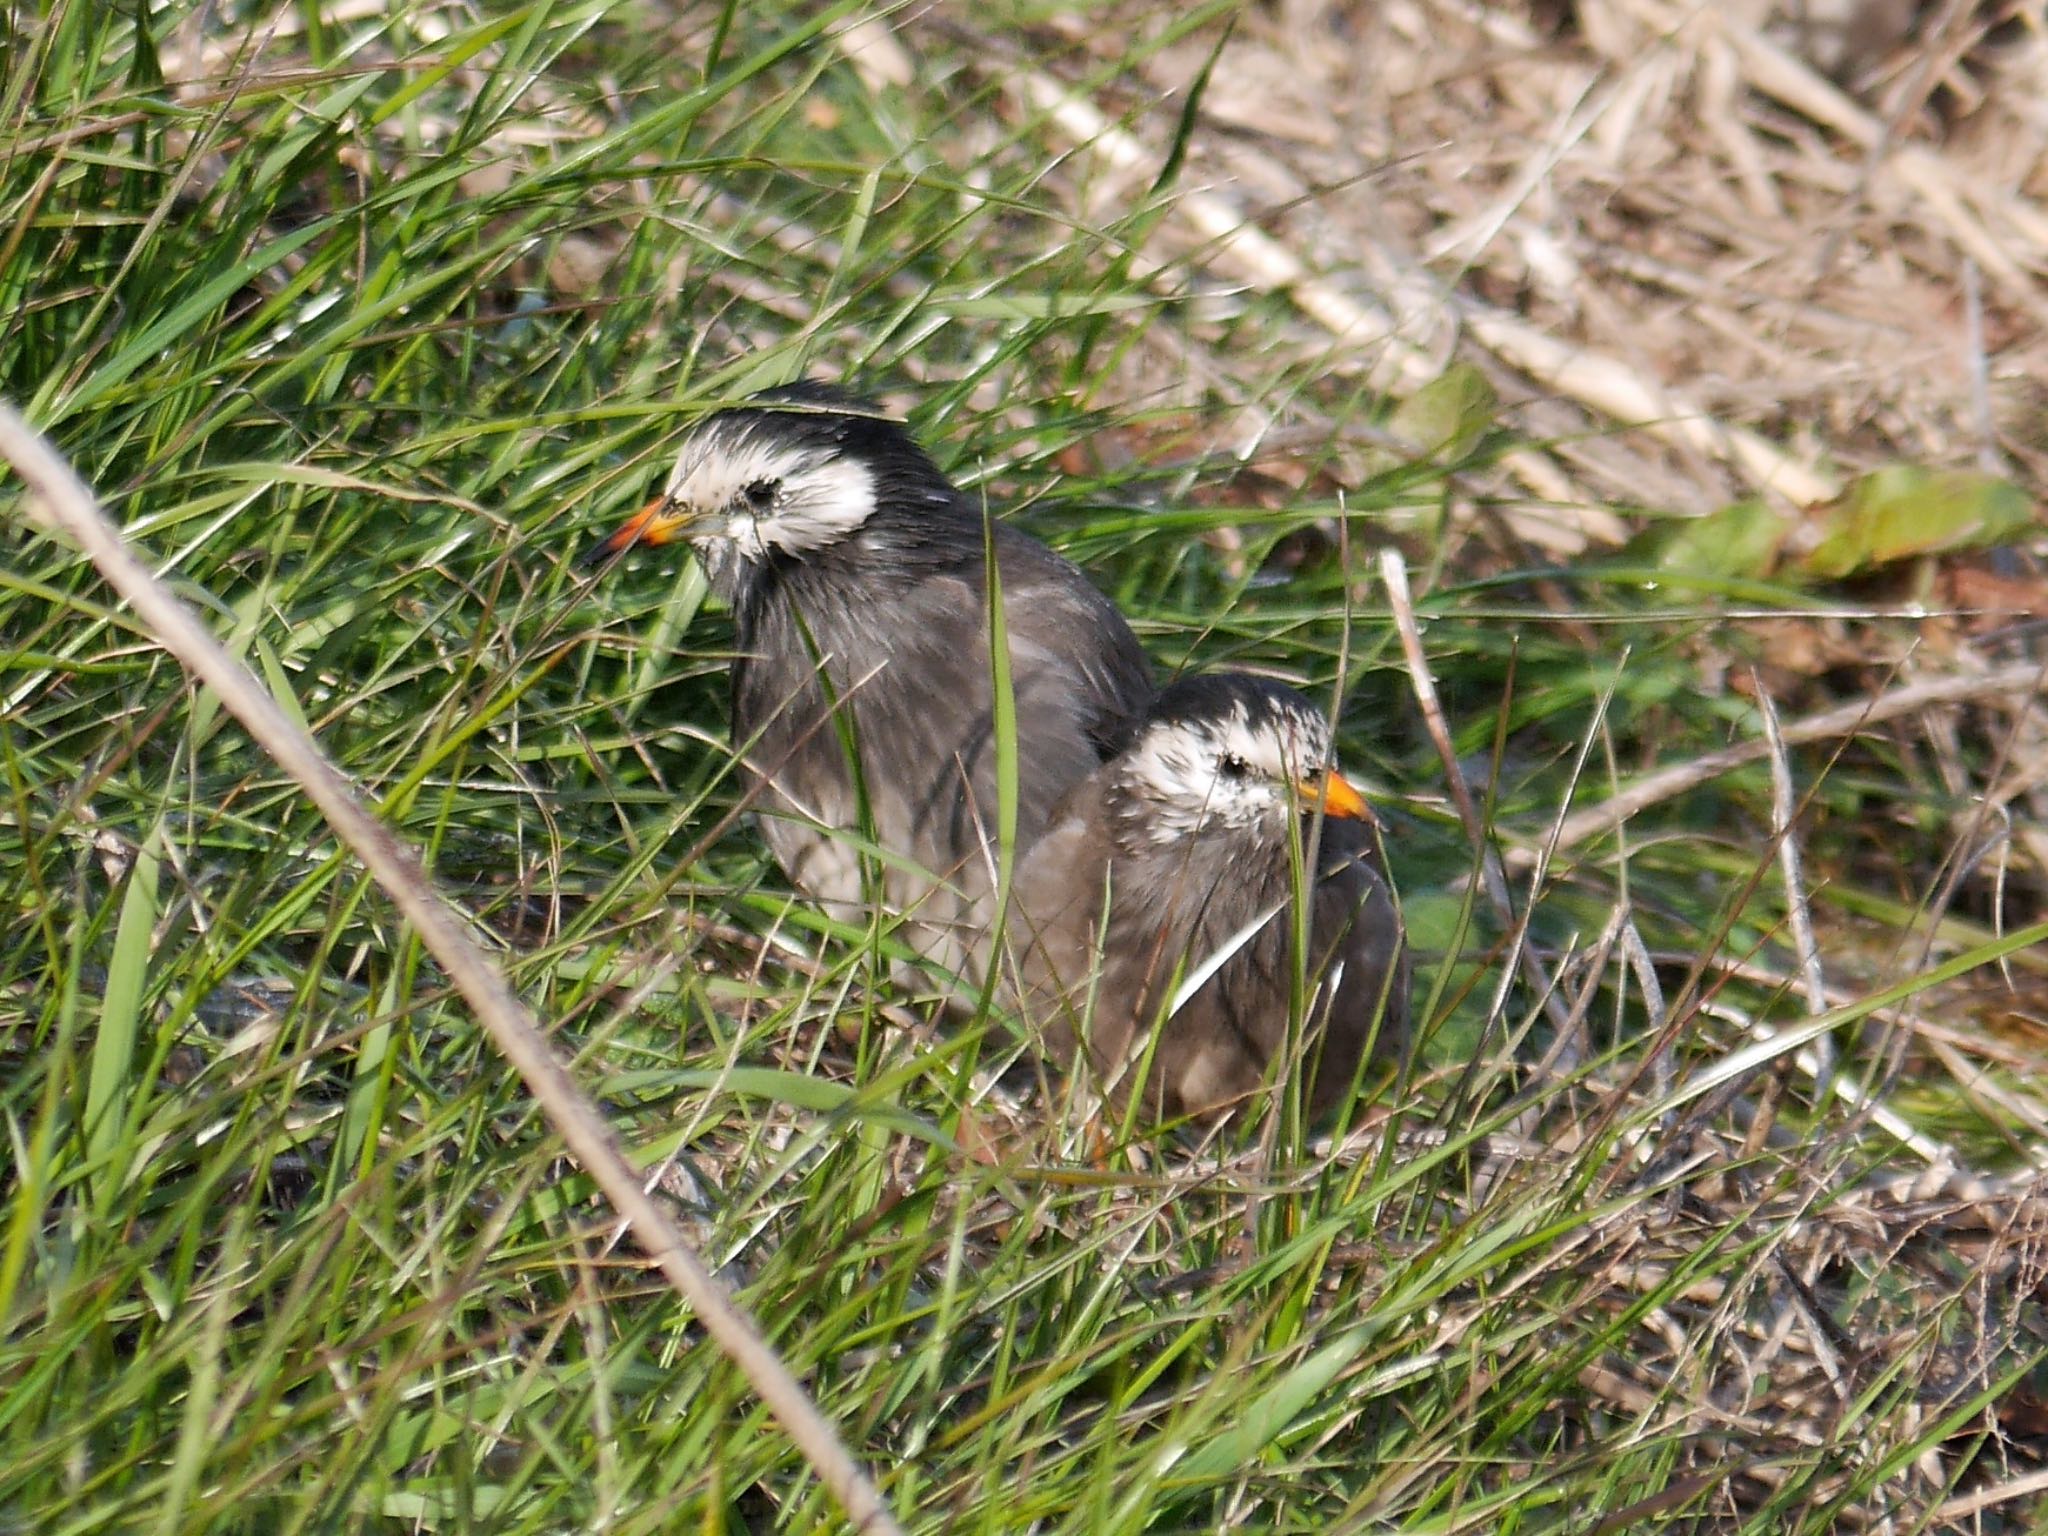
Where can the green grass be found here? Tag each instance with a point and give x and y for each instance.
(320, 1265)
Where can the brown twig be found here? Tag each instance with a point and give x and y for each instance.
(1668, 783)
(1784, 814)
(1493, 880)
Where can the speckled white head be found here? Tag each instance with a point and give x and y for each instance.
(1227, 753)
(741, 482)
(804, 470)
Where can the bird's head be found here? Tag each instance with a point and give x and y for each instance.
(1227, 752)
(800, 469)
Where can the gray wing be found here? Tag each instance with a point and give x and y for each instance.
(1059, 623)
(920, 701)
(1091, 951)
(1048, 954)
(1356, 925)
(1077, 676)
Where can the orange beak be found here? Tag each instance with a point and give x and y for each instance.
(1337, 796)
(656, 523)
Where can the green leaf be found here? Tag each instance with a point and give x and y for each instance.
(1904, 510)
(1191, 112)
(162, 338)
(1448, 415)
(1738, 541)
(453, 55)
(1269, 1416)
(1035, 306)
(113, 1049)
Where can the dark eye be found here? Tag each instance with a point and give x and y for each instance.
(759, 496)
(1231, 766)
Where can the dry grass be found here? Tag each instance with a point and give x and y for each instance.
(1649, 217)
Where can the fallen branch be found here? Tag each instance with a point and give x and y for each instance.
(2024, 677)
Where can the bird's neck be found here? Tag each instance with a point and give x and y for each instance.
(886, 554)
(1231, 856)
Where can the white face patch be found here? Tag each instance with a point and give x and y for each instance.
(1188, 776)
(763, 496)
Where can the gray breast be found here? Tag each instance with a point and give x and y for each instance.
(1099, 984)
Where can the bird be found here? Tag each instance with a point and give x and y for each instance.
(856, 574)
(1173, 867)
